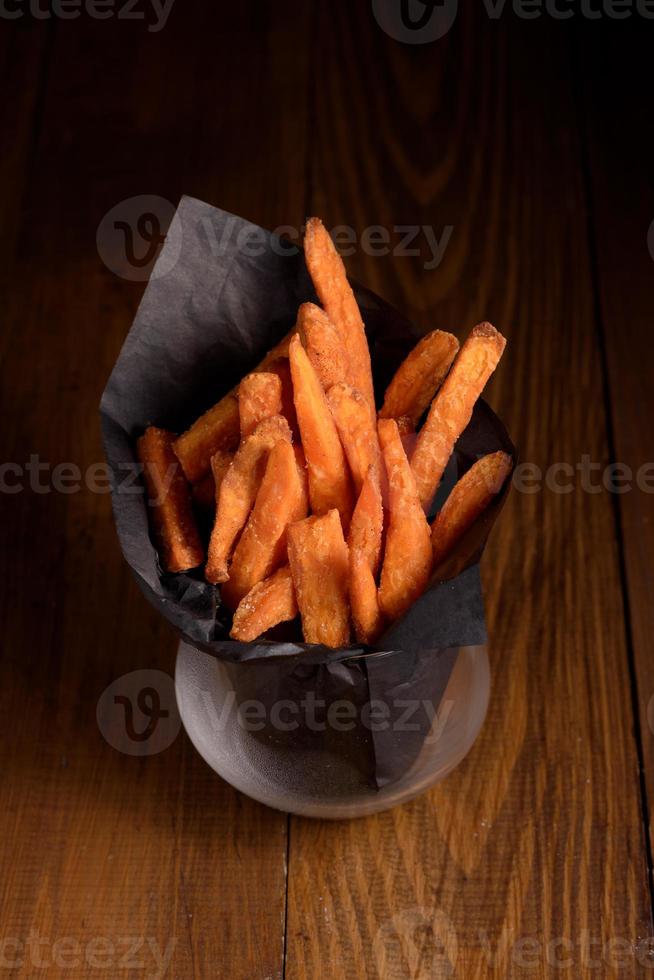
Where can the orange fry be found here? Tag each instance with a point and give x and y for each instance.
(259, 397)
(218, 428)
(323, 344)
(471, 495)
(335, 293)
(451, 409)
(357, 429)
(318, 557)
(367, 524)
(408, 434)
(178, 541)
(270, 602)
(408, 554)
(419, 377)
(262, 546)
(366, 614)
(329, 479)
(282, 369)
(238, 492)
(205, 493)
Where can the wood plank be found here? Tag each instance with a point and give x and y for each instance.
(537, 837)
(620, 146)
(97, 845)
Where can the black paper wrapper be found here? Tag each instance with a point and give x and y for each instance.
(222, 293)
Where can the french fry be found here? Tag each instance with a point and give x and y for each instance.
(206, 491)
(170, 509)
(408, 553)
(358, 432)
(282, 369)
(408, 434)
(366, 614)
(270, 602)
(365, 534)
(335, 293)
(318, 557)
(238, 493)
(451, 409)
(329, 479)
(262, 546)
(419, 377)
(469, 497)
(259, 398)
(219, 427)
(323, 344)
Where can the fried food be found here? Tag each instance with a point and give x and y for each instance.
(323, 344)
(259, 398)
(238, 492)
(329, 479)
(365, 534)
(471, 495)
(335, 293)
(282, 369)
(357, 430)
(318, 557)
(408, 553)
(170, 508)
(366, 614)
(281, 500)
(419, 377)
(451, 409)
(219, 427)
(270, 602)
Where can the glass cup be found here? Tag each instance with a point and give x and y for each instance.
(334, 740)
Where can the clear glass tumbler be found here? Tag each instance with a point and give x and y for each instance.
(276, 731)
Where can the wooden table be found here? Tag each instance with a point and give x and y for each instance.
(532, 140)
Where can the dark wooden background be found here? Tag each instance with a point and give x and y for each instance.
(533, 139)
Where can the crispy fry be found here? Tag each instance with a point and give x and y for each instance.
(170, 510)
(282, 369)
(452, 407)
(218, 428)
(329, 478)
(408, 434)
(358, 432)
(419, 377)
(205, 493)
(335, 293)
(238, 492)
(367, 523)
(408, 555)
(471, 495)
(262, 547)
(323, 344)
(259, 398)
(270, 602)
(366, 614)
(318, 557)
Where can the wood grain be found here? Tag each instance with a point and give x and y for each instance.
(94, 844)
(537, 837)
(620, 144)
